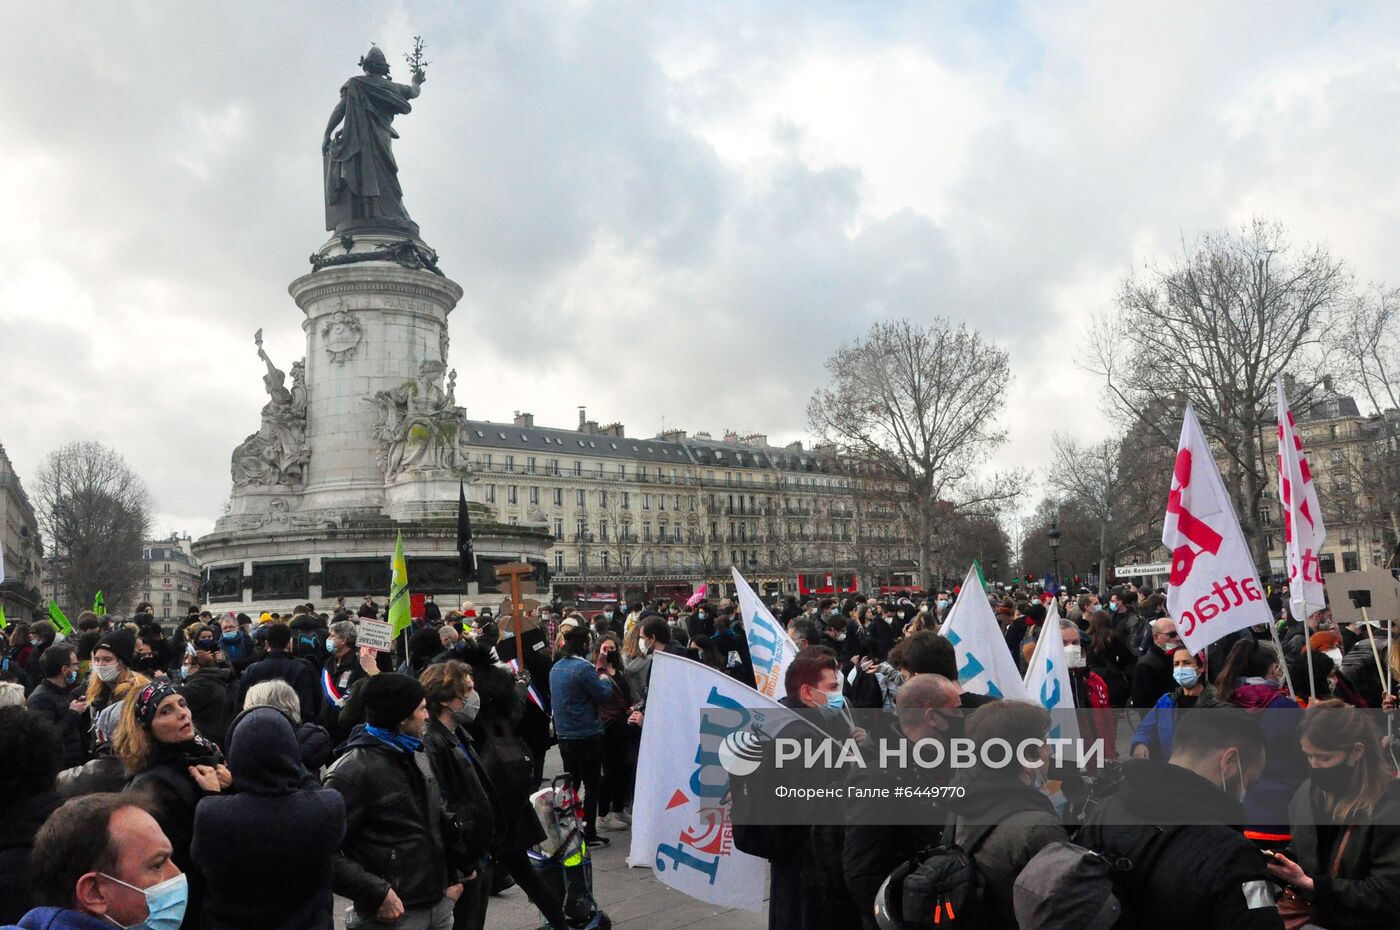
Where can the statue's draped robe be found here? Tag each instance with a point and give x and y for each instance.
(362, 178)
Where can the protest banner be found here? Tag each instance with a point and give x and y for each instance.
(770, 648)
(1047, 676)
(681, 823)
(1212, 589)
(985, 665)
(375, 634)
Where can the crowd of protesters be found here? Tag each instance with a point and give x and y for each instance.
(153, 776)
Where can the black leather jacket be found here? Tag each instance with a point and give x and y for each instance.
(395, 826)
(466, 791)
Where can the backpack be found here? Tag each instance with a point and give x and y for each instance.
(940, 886)
(1066, 886)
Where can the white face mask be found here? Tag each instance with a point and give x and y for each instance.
(1074, 654)
(107, 673)
(1335, 655)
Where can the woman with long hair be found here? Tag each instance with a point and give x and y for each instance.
(1345, 870)
(1110, 657)
(175, 767)
(111, 667)
(1252, 678)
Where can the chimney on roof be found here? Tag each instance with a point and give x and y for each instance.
(757, 440)
(524, 419)
(613, 429)
(1290, 385)
(794, 446)
(731, 437)
(582, 417)
(673, 435)
(1327, 383)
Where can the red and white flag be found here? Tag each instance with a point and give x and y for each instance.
(1303, 531)
(1212, 590)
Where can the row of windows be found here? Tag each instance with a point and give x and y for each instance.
(485, 461)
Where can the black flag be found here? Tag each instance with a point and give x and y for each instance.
(464, 536)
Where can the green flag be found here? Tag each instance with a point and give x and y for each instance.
(99, 606)
(59, 620)
(3, 622)
(399, 616)
(980, 577)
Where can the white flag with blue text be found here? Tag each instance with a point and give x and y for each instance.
(770, 648)
(1047, 676)
(985, 665)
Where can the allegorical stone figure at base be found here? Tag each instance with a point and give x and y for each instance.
(362, 178)
(276, 454)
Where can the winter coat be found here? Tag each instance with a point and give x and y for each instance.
(395, 828)
(18, 825)
(1024, 822)
(279, 814)
(1159, 724)
(207, 692)
(60, 918)
(239, 652)
(1152, 677)
(465, 793)
(175, 795)
(1205, 875)
(1285, 767)
(317, 749)
(338, 676)
(1364, 893)
(504, 756)
(52, 704)
(279, 665)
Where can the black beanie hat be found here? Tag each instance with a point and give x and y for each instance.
(120, 643)
(424, 644)
(390, 699)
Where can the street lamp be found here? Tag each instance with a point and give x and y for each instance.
(1054, 536)
(993, 579)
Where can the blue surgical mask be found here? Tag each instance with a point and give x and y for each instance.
(835, 701)
(165, 903)
(942, 605)
(1186, 676)
(230, 636)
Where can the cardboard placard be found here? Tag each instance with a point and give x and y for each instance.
(1384, 589)
(375, 634)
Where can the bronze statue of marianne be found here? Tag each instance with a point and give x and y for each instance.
(362, 178)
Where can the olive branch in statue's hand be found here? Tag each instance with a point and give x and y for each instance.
(416, 61)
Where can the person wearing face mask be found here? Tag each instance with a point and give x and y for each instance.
(58, 700)
(342, 669)
(235, 645)
(1177, 822)
(101, 861)
(1153, 739)
(453, 705)
(1344, 870)
(111, 666)
(1252, 679)
(169, 762)
(280, 814)
(207, 689)
(42, 635)
(836, 638)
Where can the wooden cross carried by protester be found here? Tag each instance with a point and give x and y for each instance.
(516, 571)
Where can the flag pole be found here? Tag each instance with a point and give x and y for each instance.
(1371, 637)
(1283, 662)
(1307, 654)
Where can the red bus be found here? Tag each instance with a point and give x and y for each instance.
(827, 583)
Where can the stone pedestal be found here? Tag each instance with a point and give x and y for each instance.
(369, 327)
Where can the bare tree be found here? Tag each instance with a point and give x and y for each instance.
(95, 514)
(1368, 338)
(921, 403)
(1119, 484)
(1216, 327)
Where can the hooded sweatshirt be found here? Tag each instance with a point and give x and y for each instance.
(279, 815)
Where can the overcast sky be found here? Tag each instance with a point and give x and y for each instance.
(667, 212)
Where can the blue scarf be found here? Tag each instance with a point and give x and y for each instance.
(400, 741)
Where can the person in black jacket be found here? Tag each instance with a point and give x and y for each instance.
(276, 837)
(1175, 819)
(338, 676)
(58, 701)
(29, 763)
(1152, 676)
(278, 663)
(394, 863)
(453, 702)
(505, 758)
(208, 690)
(174, 767)
(432, 613)
(315, 742)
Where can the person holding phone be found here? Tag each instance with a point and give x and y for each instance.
(1345, 868)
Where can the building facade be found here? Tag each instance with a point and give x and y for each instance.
(636, 518)
(172, 577)
(20, 545)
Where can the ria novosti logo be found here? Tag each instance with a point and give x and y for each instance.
(741, 753)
